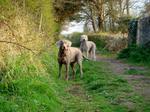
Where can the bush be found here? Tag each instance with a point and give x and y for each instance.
(75, 39)
(135, 54)
(100, 40)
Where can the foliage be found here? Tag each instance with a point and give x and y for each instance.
(135, 54)
(75, 38)
(100, 40)
(123, 23)
(147, 8)
(42, 11)
(104, 42)
(65, 9)
(25, 77)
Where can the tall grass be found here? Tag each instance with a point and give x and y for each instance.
(27, 68)
(28, 84)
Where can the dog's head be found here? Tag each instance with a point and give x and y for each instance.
(63, 44)
(83, 38)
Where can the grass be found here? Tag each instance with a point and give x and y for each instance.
(99, 90)
(103, 91)
(26, 85)
(110, 91)
(136, 55)
(138, 72)
(34, 95)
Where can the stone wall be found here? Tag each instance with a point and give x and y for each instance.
(132, 32)
(143, 32)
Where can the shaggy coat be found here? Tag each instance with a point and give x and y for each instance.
(88, 46)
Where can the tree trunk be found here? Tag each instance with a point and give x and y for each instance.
(127, 7)
(100, 16)
(100, 23)
(93, 24)
(93, 20)
(120, 8)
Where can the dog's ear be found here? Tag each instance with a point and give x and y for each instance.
(59, 43)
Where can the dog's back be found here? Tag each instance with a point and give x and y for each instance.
(75, 54)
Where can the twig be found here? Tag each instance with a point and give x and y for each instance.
(3, 41)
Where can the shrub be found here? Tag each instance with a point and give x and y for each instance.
(100, 40)
(104, 42)
(135, 54)
(75, 38)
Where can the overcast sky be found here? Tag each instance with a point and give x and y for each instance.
(78, 27)
(73, 27)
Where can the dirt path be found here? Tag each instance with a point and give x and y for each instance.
(80, 100)
(139, 81)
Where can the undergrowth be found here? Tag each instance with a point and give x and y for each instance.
(136, 54)
(28, 84)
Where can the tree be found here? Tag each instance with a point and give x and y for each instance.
(66, 8)
(147, 8)
(127, 7)
(99, 8)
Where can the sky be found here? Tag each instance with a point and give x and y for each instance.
(78, 27)
(73, 27)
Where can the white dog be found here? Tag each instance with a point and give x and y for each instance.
(88, 46)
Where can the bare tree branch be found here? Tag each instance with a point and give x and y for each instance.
(9, 42)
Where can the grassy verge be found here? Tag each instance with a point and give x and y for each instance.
(27, 84)
(40, 90)
(136, 55)
(111, 92)
(100, 91)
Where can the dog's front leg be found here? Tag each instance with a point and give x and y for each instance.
(67, 71)
(73, 70)
(94, 55)
(81, 72)
(60, 66)
(87, 54)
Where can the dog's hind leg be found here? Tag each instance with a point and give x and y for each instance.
(67, 71)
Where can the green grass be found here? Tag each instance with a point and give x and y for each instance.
(28, 86)
(99, 90)
(30, 95)
(138, 72)
(110, 91)
(104, 91)
(136, 55)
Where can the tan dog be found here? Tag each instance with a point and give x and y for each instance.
(88, 46)
(68, 55)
